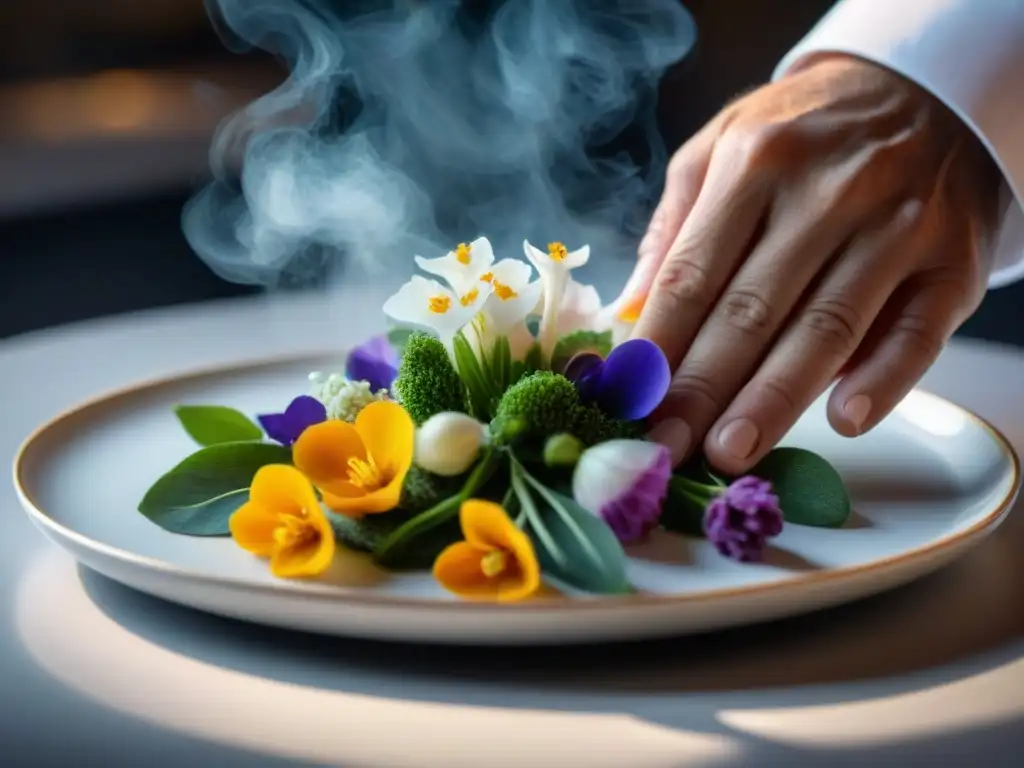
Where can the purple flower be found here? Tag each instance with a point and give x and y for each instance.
(374, 361)
(628, 385)
(741, 519)
(625, 483)
(304, 411)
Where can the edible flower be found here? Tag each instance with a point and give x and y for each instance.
(427, 303)
(513, 297)
(283, 521)
(495, 562)
(374, 361)
(628, 385)
(285, 428)
(462, 267)
(343, 399)
(448, 443)
(625, 483)
(554, 267)
(360, 467)
(741, 519)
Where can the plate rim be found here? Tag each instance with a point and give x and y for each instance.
(946, 544)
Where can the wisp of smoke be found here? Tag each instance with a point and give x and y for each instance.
(408, 128)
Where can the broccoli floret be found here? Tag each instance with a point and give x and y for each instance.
(427, 381)
(422, 490)
(364, 534)
(538, 405)
(544, 403)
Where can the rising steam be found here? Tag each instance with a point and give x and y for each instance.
(408, 129)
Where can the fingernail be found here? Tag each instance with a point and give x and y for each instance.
(856, 410)
(739, 438)
(674, 434)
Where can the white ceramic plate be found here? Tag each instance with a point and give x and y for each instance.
(927, 484)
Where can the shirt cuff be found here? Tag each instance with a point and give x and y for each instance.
(970, 55)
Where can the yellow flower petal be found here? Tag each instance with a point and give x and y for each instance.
(252, 527)
(487, 529)
(281, 489)
(382, 500)
(322, 453)
(485, 524)
(457, 569)
(389, 435)
(310, 558)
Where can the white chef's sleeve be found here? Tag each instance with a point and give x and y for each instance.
(970, 55)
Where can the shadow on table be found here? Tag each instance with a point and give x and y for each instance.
(960, 623)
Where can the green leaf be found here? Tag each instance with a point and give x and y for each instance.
(200, 494)
(810, 490)
(576, 547)
(577, 342)
(398, 337)
(478, 385)
(501, 364)
(213, 424)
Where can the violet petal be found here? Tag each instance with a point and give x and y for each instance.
(634, 380)
(635, 512)
(304, 411)
(276, 427)
(584, 370)
(374, 361)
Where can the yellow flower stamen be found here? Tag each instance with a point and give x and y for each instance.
(470, 297)
(364, 474)
(494, 563)
(462, 253)
(557, 251)
(504, 292)
(439, 304)
(293, 531)
(486, 277)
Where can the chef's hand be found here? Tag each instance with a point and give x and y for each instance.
(833, 224)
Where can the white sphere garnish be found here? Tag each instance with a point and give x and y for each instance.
(448, 443)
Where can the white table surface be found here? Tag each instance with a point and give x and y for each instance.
(931, 674)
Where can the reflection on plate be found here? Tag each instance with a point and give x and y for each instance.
(929, 482)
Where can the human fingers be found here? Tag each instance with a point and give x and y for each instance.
(925, 313)
(820, 336)
(710, 245)
(683, 180)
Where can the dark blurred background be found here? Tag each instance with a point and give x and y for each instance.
(106, 112)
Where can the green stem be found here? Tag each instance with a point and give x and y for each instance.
(532, 514)
(441, 512)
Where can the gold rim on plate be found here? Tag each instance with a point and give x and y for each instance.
(311, 589)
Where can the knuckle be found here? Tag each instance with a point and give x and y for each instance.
(756, 144)
(780, 393)
(746, 311)
(833, 321)
(692, 386)
(918, 333)
(681, 279)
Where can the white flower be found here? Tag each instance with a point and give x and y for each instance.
(620, 316)
(342, 398)
(461, 268)
(513, 296)
(624, 482)
(448, 443)
(580, 309)
(428, 303)
(554, 267)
